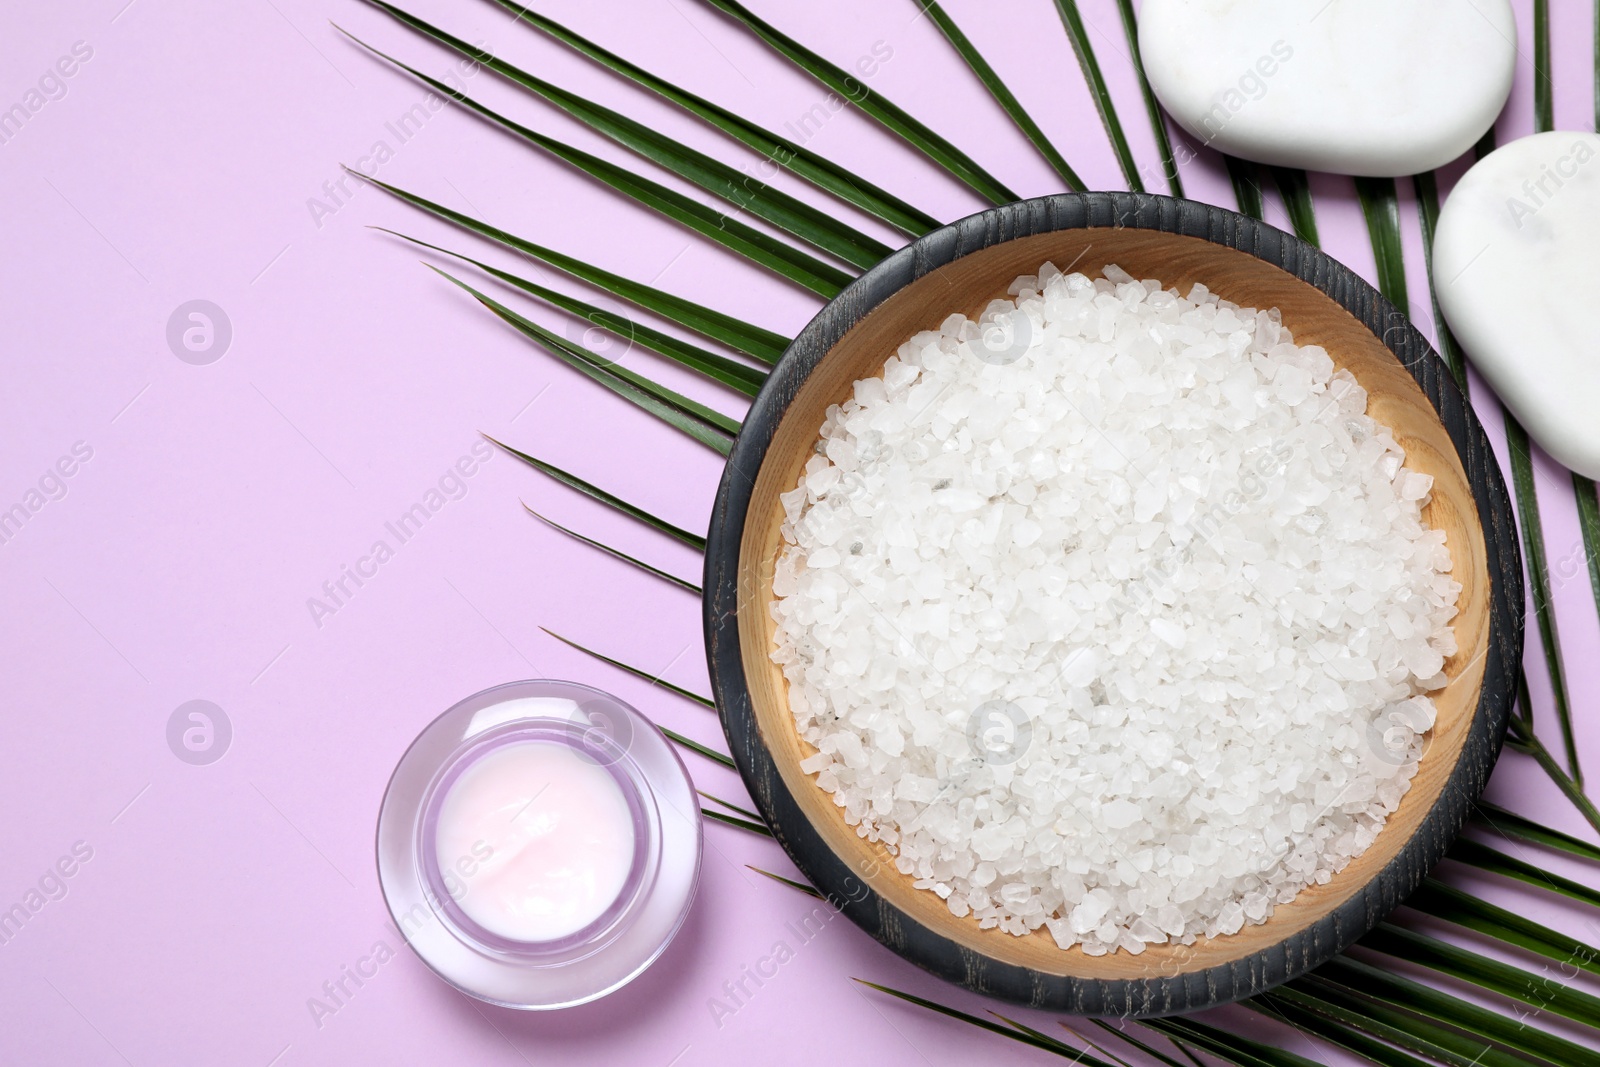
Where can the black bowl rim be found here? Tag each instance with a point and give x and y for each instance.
(1160, 995)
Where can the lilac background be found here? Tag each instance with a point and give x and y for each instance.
(219, 498)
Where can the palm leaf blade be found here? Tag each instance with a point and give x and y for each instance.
(1427, 188)
(711, 428)
(594, 492)
(1362, 1027)
(1295, 189)
(871, 103)
(1467, 966)
(1246, 186)
(1527, 499)
(637, 672)
(1001, 93)
(740, 336)
(793, 216)
(1446, 902)
(742, 377)
(816, 169)
(1512, 825)
(1380, 205)
(616, 552)
(1158, 122)
(1374, 983)
(760, 248)
(1072, 20)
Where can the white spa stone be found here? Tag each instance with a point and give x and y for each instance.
(1367, 87)
(1517, 273)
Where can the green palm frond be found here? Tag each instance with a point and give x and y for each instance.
(1072, 20)
(1346, 977)
(1544, 89)
(1231, 1047)
(711, 428)
(1464, 965)
(790, 882)
(735, 808)
(1517, 828)
(1427, 189)
(697, 748)
(1527, 499)
(740, 336)
(1589, 526)
(744, 191)
(1246, 179)
(738, 376)
(1380, 204)
(1295, 189)
(1441, 901)
(734, 820)
(1002, 95)
(594, 492)
(1158, 121)
(1362, 1027)
(1026, 1037)
(870, 102)
(637, 672)
(781, 151)
(1492, 860)
(616, 552)
(758, 247)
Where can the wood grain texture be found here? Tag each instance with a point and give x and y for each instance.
(960, 268)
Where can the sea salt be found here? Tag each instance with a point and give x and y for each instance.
(1112, 613)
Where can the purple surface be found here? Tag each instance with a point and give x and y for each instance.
(180, 161)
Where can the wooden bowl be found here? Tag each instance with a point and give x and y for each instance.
(960, 268)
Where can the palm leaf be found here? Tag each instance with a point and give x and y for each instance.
(1037, 1040)
(1522, 479)
(760, 248)
(1246, 186)
(1149, 1050)
(1002, 95)
(736, 809)
(653, 679)
(1446, 902)
(1362, 1026)
(1381, 206)
(1072, 20)
(790, 882)
(1521, 738)
(594, 492)
(1505, 979)
(711, 428)
(1484, 858)
(1544, 111)
(740, 336)
(1231, 1047)
(871, 103)
(1427, 188)
(1374, 984)
(795, 217)
(1512, 825)
(1087, 1040)
(618, 553)
(1296, 192)
(783, 152)
(697, 748)
(1158, 122)
(734, 820)
(1589, 524)
(740, 376)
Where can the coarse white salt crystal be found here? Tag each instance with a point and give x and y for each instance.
(1112, 613)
